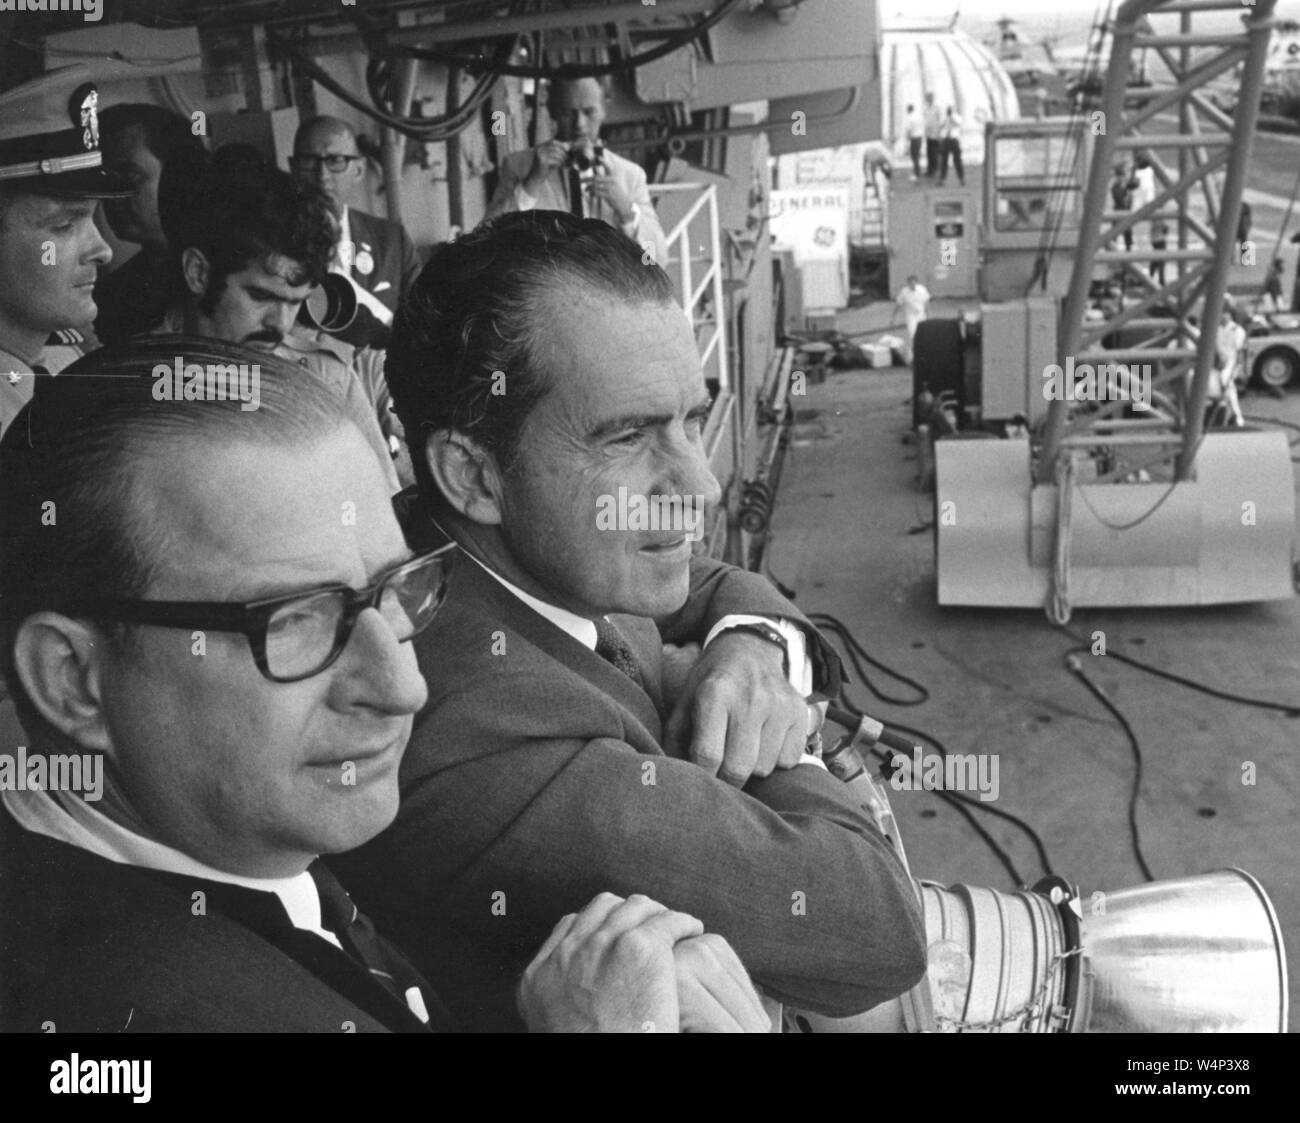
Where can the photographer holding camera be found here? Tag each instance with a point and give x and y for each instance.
(574, 172)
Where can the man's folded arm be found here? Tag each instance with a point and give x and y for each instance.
(789, 870)
(719, 590)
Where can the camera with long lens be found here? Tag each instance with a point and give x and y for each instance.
(331, 306)
(587, 161)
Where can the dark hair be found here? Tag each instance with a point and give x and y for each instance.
(166, 134)
(242, 209)
(475, 311)
(72, 462)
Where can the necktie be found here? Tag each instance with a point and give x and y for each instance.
(575, 193)
(612, 647)
(355, 932)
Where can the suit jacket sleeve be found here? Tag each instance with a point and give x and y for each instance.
(719, 590)
(522, 801)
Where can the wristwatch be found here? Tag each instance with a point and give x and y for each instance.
(767, 632)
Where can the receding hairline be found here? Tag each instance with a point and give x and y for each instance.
(323, 128)
(543, 343)
(564, 85)
(142, 488)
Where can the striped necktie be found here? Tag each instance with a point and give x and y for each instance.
(355, 932)
(575, 193)
(612, 647)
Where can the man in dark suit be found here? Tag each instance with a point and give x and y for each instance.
(553, 390)
(205, 609)
(156, 151)
(376, 255)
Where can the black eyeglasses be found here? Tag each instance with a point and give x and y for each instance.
(334, 162)
(298, 635)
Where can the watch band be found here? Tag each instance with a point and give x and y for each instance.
(767, 632)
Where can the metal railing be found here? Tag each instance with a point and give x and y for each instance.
(695, 266)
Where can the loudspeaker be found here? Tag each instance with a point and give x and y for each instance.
(1198, 954)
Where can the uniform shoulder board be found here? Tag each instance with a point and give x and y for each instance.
(67, 337)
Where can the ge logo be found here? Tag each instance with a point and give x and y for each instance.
(825, 236)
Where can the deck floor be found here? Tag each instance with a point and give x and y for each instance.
(843, 538)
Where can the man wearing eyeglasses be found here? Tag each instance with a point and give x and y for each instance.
(216, 605)
(375, 254)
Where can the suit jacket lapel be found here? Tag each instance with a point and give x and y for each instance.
(499, 603)
(262, 913)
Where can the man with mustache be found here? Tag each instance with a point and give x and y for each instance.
(252, 243)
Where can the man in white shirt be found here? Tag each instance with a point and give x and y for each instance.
(1228, 344)
(914, 131)
(914, 302)
(1144, 177)
(574, 172)
(950, 147)
(209, 650)
(933, 136)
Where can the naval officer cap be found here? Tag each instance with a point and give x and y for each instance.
(49, 139)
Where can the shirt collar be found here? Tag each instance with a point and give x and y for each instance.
(579, 627)
(66, 818)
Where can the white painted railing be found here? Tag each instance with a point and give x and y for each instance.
(695, 266)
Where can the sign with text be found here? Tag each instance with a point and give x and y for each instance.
(813, 223)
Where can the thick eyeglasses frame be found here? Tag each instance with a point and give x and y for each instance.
(252, 618)
(335, 162)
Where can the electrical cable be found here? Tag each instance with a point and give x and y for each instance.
(987, 807)
(474, 64)
(1277, 421)
(1290, 709)
(858, 655)
(962, 803)
(1076, 668)
(427, 129)
(959, 801)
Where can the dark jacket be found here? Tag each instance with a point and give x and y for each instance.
(90, 945)
(535, 779)
(396, 263)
